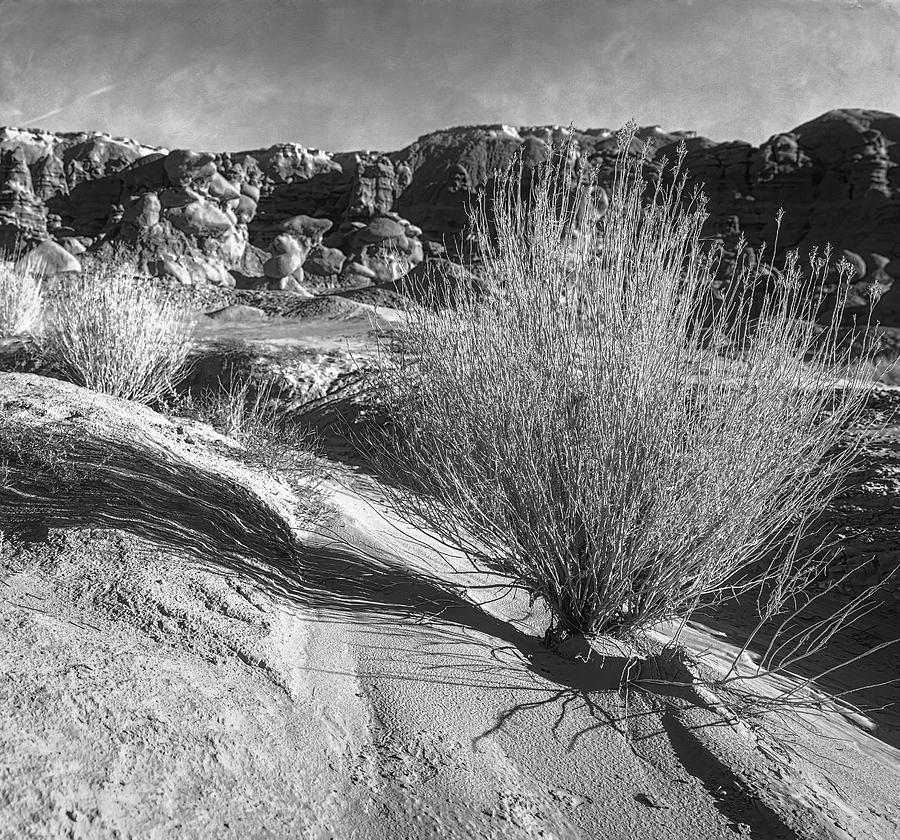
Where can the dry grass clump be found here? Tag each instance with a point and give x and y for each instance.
(115, 333)
(246, 409)
(21, 300)
(881, 370)
(608, 429)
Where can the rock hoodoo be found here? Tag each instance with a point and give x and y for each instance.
(289, 217)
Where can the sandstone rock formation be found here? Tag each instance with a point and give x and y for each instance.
(204, 217)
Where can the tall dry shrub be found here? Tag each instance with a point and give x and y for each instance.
(608, 429)
(116, 333)
(21, 300)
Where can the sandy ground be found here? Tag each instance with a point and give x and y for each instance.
(386, 694)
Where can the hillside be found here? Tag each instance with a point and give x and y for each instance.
(302, 219)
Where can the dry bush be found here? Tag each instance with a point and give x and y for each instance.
(609, 429)
(242, 406)
(881, 370)
(246, 409)
(21, 300)
(115, 333)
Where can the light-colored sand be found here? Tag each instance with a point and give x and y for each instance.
(384, 693)
(380, 700)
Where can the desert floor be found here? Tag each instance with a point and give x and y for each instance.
(390, 692)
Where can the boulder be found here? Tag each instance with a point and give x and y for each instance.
(190, 270)
(245, 209)
(185, 167)
(251, 191)
(324, 262)
(290, 284)
(206, 271)
(49, 259)
(178, 197)
(439, 281)
(251, 263)
(222, 189)
(282, 265)
(168, 267)
(73, 245)
(143, 212)
(284, 243)
(856, 262)
(380, 229)
(201, 218)
(230, 247)
(306, 228)
(356, 275)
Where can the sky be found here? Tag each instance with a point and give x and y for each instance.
(376, 74)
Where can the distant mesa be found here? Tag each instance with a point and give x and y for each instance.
(303, 219)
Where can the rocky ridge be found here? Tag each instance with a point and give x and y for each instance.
(305, 220)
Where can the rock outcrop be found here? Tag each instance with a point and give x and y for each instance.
(221, 218)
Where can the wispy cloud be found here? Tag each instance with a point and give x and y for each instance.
(46, 115)
(100, 91)
(226, 74)
(72, 104)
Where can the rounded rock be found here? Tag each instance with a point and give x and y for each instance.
(221, 188)
(380, 229)
(324, 262)
(282, 265)
(48, 259)
(201, 218)
(857, 263)
(306, 226)
(245, 209)
(184, 166)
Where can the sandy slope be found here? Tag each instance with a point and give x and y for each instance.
(142, 698)
(381, 694)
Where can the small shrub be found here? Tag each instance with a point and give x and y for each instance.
(609, 428)
(21, 301)
(246, 409)
(116, 333)
(881, 370)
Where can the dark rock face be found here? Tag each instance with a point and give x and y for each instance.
(356, 218)
(22, 213)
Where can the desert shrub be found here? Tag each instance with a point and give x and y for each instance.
(116, 333)
(246, 408)
(881, 370)
(21, 300)
(611, 429)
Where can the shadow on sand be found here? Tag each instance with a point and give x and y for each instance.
(228, 529)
